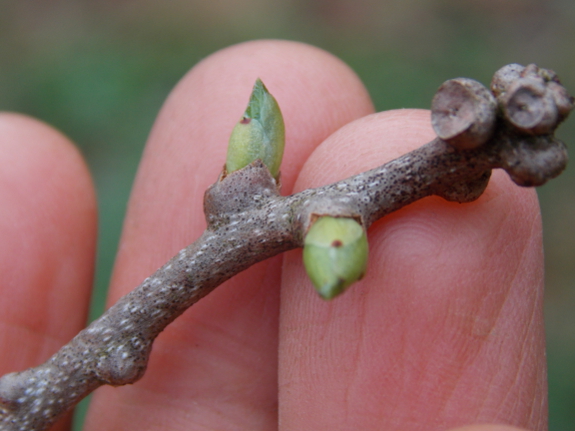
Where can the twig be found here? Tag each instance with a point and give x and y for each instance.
(248, 221)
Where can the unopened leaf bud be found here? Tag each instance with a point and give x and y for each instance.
(260, 133)
(335, 254)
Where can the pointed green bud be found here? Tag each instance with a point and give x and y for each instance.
(335, 254)
(260, 134)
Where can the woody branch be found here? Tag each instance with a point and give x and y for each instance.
(509, 127)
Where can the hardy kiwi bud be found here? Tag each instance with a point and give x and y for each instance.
(335, 254)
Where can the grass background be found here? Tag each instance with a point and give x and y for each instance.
(99, 72)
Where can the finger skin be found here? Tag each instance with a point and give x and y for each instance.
(487, 428)
(215, 367)
(48, 238)
(446, 329)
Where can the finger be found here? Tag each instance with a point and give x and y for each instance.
(487, 428)
(216, 366)
(48, 238)
(446, 328)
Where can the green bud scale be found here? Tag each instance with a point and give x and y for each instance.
(260, 134)
(335, 254)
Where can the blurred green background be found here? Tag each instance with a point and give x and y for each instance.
(99, 72)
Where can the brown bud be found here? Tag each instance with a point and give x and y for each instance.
(463, 113)
(534, 160)
(563, 100)
(504, 77)
(530, 107)
(532, 70)
(547, 75)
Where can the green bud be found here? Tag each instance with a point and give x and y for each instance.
(260, 134)
(335, 254)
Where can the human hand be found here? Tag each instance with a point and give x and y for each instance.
(446, 329)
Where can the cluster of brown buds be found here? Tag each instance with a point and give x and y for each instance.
(529, 101)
